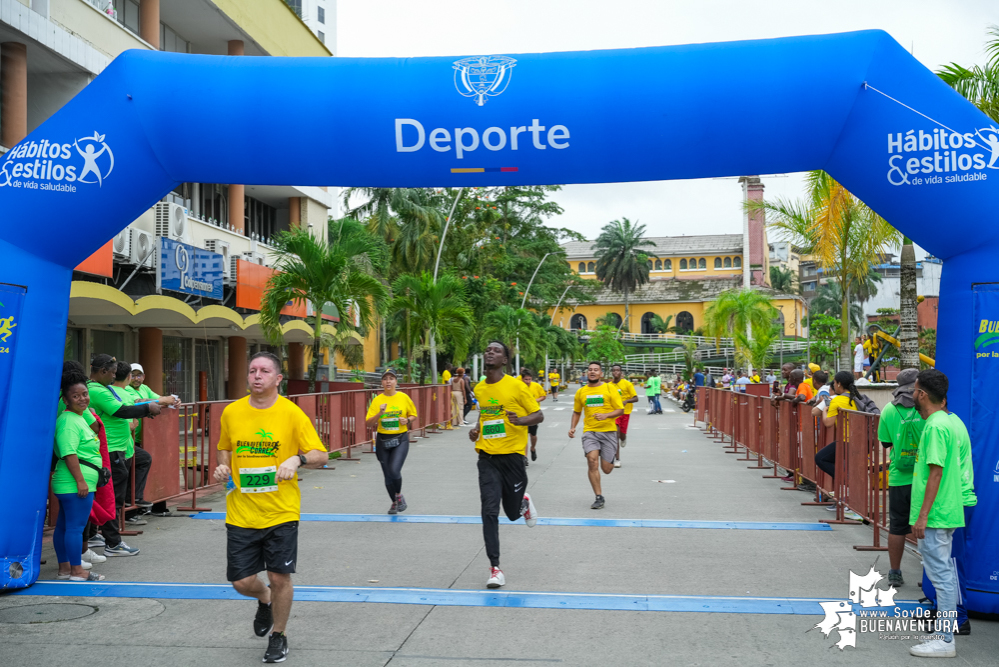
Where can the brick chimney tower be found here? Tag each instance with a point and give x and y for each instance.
(755, 252)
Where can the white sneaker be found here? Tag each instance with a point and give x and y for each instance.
(529, 512)
(617, 464)
(93, 557)
(853, 516)
(936, 648)
(85, 565)
(496, 578)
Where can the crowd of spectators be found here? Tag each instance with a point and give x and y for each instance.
(99, 467)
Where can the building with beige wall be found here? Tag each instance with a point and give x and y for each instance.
(195, 346)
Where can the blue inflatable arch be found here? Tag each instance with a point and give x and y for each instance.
(856, 105)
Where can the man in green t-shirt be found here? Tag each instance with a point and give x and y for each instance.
(900, 427)
(117, 410)
(937, 506)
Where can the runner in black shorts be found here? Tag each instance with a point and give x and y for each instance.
(538, 392)
(263, 441)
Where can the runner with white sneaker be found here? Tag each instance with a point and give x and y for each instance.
(538, 392)
(506, 410)
(393, 412)
(602, 404)
(629, 397)
(263, 441)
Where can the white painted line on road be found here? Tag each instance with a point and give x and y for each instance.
(559, 408)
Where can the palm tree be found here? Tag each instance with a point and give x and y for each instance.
(437, 309)
(516, 327)
(979, 84)
(756, 353)
(908, 317)
(783, 280)
(828, 300)
(621, 264)
(660, 325)
(842, 232)
(340, 272)
(735, 312)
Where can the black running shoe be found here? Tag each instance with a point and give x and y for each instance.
(598, 504)
(964, 628)
(534, 455)
(264, 620)
(400, 503)
(395, 507)
(277, 648)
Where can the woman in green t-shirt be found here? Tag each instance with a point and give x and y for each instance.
(394, 413)
(73, 481)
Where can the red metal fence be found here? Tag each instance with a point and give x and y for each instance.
(788, 436)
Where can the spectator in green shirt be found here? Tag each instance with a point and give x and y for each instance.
(141, 393)
(900, 428)
(937, 506)
(117, 413)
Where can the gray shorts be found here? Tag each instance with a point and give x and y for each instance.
(603, 441)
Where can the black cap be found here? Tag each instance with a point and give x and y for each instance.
(102, 361)
(390, 371)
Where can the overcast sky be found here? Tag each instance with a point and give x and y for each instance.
(937, 31)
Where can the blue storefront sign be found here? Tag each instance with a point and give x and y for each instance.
(184, 268)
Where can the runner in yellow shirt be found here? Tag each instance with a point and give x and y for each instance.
(629, 397)
(263, 441)
(539, 394)
(602, 405)
(553, 382)
(394, 413)
(506, 410)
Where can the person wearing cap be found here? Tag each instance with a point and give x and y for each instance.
(392, 413)
(809, 371)
(117, 410)
(139, 393)
(899, 429)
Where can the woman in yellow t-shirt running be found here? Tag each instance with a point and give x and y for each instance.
(394, 413)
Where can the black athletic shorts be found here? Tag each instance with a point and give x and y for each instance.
(253, 550)
(899, 502)
(532, 430)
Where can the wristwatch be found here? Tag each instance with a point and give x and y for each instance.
(301, 457)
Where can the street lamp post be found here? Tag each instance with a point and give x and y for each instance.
(524, 301)
(437, 264)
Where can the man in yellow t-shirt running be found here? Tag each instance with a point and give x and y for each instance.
(553, 383)
(263, 441)
(629, 397)
(506, 410)
(539, 394)
(602, 405)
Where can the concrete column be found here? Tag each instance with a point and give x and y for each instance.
(294, 212)
(238, 367)
(296, 361)
(151, 357)
(237, 207)
(13, 93)
(149, 22)
(235, 47)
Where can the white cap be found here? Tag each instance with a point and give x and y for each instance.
(138, 367)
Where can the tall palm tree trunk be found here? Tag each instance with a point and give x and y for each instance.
(908, 336)
(316, 348)
(845, 353)
(627, 312)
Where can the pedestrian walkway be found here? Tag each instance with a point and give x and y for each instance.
(583, 587)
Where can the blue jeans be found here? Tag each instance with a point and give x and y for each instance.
(957, 553)
(938, 566)
(68, 536)
(657, 407)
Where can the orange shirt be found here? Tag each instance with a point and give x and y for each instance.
(806, 391)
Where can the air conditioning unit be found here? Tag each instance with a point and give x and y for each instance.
(121, 244)
(255, 257)
(222, 248)
(143, 249)
(171, 221)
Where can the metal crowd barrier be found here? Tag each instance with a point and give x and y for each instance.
(789, 436)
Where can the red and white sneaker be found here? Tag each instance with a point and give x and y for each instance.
(528, 511)
(496, 578)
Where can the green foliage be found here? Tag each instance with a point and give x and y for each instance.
(660, 325)
(736, 312)
(516, 327)
(341, 272)
(756, 352)
(829, 301)
(783, 280)
(605, 345)
(927, 345)
(824, 333)
(980, 85)
(622, 265)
